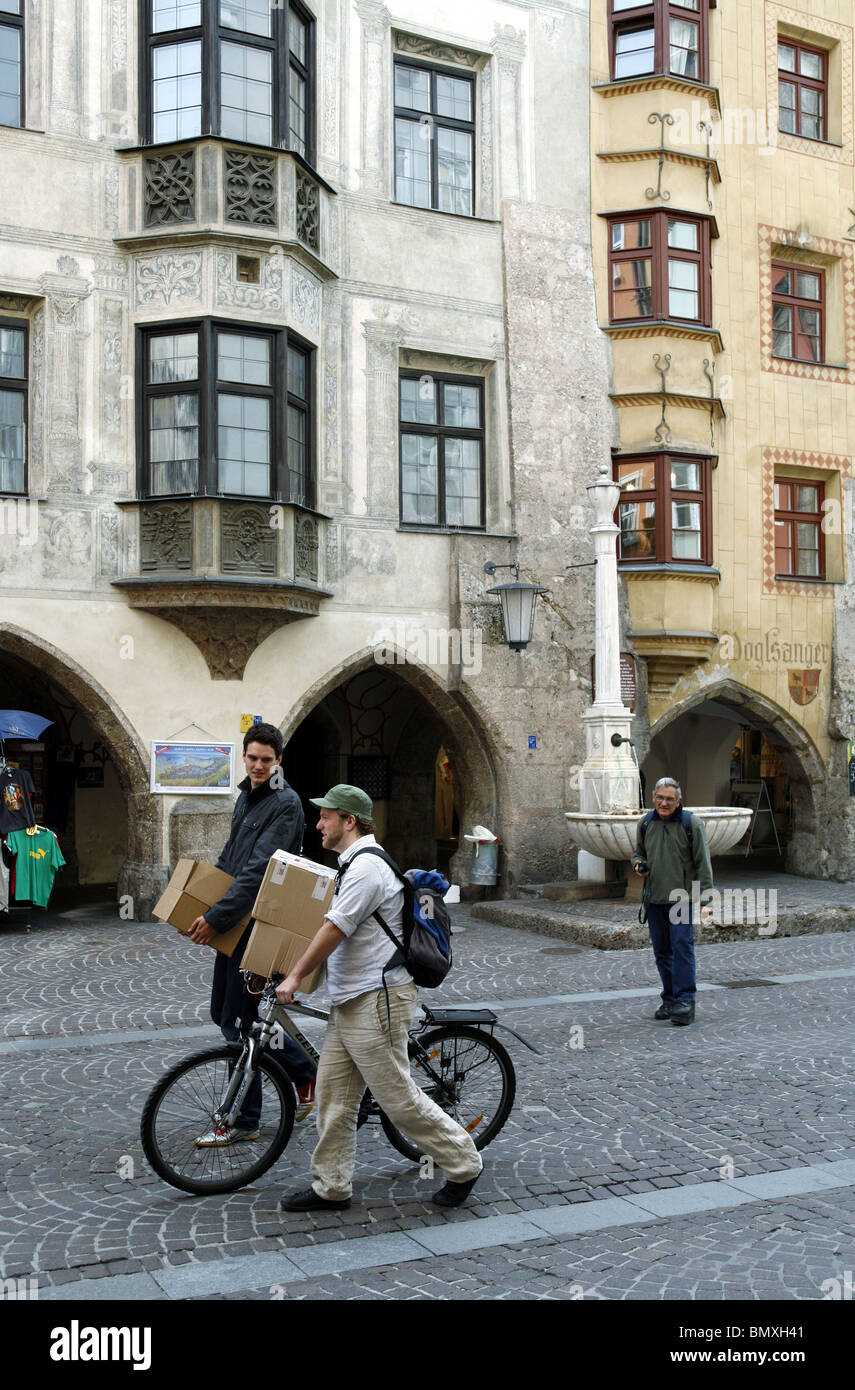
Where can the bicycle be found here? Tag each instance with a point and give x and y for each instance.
(453, 1056)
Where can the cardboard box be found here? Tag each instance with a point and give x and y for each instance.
(292, 902)
(194, 887)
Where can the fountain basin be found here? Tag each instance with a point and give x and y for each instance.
(611, 834)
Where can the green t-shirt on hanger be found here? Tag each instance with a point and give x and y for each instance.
(37, 858)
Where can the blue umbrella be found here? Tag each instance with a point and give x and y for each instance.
(18, 723)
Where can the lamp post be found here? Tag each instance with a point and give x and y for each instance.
(518, 603)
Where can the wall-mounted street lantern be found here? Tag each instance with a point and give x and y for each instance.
(518, 601)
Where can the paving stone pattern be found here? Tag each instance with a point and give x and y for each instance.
(761, 1082)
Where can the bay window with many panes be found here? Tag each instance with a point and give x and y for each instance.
(242, 69)
(225, 411)
(442, 450)
(434, 138)
(664, 509)
(660, 267)
(12, 62)
(660, 37)
(13, 406)
(799, 537)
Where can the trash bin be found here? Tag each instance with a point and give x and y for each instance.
(485, 856)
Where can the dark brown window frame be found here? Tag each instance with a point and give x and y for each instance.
(660, 253)
(211, 34)
(22, 386)
(660, 13)
(795, 302)
(663, 494)
(17, 21)
(813, 84)
(206, 386)
(440, 432)
(790, 518)
(407, 113)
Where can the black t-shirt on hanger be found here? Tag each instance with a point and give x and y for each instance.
(16, 806)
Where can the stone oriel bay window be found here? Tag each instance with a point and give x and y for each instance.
(799, 532)
(659, 267)
(14, 387)
(242, 69)
(661, 36)
(664, 509)
(12, 62)
(434, 137)
(441, 450)
(225, 409)
(798, 312)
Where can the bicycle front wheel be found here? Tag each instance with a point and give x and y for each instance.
(186, 1106)
(479, 1083)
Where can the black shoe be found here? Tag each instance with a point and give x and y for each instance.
(308, 1200)
(664, 1011)
(453, 1194)
(683, 1012)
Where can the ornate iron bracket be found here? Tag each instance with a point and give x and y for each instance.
(705, 128)
(662, 434)
(664, 119)
(709, 373)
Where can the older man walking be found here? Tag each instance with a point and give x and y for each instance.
(672, 854)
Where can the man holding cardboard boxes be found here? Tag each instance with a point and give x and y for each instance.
(366, 1041)
(267, 816)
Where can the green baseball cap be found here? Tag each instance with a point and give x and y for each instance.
(352, 800)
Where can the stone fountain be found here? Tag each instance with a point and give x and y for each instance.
(605, 826)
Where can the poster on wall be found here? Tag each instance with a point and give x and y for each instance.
(192, 769)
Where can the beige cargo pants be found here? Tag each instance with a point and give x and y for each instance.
(357, 1053)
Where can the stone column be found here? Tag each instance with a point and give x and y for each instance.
(609, 776)
(381, 414)
(509, 48)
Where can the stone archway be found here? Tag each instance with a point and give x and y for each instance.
(453, 721)
(142, 877)
(696, 735)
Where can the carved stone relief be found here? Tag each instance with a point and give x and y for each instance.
(435, 52)
(166, 536)
(306, 548)
(382, 343)
(37, 401)
(250, 183)
(307, 211)
(68, 541)
(375, 24)
(268, 295)
(164, 279)
(108, 543)
(68, 345)
(306, 297)
(247, 541)
(169, 182)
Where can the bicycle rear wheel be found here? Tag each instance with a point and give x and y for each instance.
(186, 1104)
(477, 1071)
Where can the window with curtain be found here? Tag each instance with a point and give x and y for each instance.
(243, 69)
(799, 537)
(14, 385)
(660, 267)
(802, 90)
(798, 312)
(660, 36)
(226, 409)
(664, 508)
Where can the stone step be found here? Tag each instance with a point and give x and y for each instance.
(569, 892)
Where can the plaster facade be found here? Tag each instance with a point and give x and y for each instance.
(146, 617)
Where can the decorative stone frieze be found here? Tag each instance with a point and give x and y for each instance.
(247, 541)
(306, 548)
(166, 536)
(166, 279)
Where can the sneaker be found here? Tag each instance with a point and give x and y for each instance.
(305, 1100)
(218, 1138)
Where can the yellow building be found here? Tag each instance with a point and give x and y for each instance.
(723, 233)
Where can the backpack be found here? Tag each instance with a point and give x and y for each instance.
(426, 946)
(685, 821)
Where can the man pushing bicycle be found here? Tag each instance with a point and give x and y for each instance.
(367, 1033)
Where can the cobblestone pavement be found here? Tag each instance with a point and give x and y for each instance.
(616, 1106)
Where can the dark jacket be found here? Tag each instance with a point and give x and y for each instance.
(264, 820)
(673, 865)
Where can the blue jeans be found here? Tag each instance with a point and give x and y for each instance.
(674, 952)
